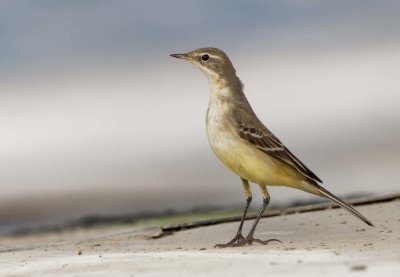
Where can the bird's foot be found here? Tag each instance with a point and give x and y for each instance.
(239, 237)
(249, 241)
(239, 241)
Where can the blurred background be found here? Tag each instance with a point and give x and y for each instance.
(96, 118)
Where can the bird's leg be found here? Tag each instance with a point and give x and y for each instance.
(239, 236)
(249, 238)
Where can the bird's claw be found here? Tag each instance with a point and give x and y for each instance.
(239, 241)
(233, 243)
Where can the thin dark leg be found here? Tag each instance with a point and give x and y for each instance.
(259, 215)
(249, 238)
(239, 235)
(248, 201)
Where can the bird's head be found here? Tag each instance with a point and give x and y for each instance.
(213, 62)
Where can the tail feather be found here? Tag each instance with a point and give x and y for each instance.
(343, 204)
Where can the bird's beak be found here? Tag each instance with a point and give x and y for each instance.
(180, 56)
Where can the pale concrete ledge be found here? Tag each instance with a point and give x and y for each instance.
(315, 242)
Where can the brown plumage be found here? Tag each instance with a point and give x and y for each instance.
(243, 144)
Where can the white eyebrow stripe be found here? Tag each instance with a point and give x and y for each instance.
(212, 56)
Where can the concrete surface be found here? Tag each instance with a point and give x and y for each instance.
(329, 242)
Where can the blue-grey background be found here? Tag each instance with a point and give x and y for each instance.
(96, 118)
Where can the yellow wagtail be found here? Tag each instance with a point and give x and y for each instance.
(243, 144)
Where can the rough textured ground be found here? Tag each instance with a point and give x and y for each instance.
(329, 242)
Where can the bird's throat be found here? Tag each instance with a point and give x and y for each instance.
(227, 86)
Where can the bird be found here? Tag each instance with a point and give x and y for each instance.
(244, 145)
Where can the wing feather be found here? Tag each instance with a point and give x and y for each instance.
(267, 142)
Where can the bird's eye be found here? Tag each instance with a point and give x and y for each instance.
(205, 57)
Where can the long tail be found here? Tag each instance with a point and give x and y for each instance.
(342, 204)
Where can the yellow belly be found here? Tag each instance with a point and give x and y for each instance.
(254, 165)
(242, 158)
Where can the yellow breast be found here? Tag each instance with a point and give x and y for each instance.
(242, 158)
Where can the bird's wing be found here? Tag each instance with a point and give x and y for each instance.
(255, 133)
